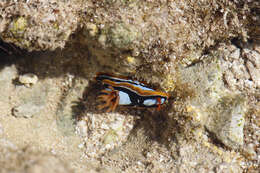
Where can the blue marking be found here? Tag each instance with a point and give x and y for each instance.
(153, 101)
(163, 100)
(150, 102)
(124, 98)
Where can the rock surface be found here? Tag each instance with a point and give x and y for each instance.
(205, 54)
(13, 160)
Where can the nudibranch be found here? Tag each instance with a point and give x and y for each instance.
(124, 91)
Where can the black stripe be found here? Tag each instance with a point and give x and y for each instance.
(103, 77)
(137, 99)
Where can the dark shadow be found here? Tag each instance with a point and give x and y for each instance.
(214, 140)
(76, 60)
(88, 103)
(157, 124)
(9, 53)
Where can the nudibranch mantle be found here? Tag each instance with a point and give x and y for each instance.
(124, 91)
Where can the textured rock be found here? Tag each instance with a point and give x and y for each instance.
(67, 111)
(7, 75)
(17, 161)
(27, 110)
(160, 42)
(213, 106)
(251, 149)
(156, 31)
(227, 120)
(252, 56)
(227, 168)
(104, 132)
(235, 54)
(31, 101)
(253, 65)
(122, 35)
(202, 161)
(241, 71)
(46, 27)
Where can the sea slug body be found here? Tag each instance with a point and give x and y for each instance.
(124, 91)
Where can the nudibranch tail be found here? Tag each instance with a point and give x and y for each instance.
(110, 99)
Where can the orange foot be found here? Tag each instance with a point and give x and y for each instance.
(110, 99)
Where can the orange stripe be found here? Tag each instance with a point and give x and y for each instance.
(113, 76)
(118, 77)
(138, 90)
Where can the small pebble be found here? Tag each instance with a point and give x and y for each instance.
(81, 145)
(92, 28)
(28, 79)
(27, 110)
(82, 128)
(235, 54)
